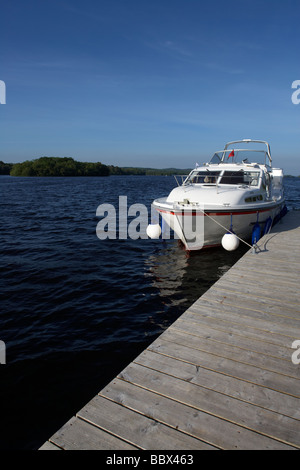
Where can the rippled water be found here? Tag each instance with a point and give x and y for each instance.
(76, 310)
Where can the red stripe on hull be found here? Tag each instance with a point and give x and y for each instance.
(199, 213)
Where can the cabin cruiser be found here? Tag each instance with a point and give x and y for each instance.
(237, 192)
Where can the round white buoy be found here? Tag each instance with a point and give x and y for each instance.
(153, 230)
(230, 242)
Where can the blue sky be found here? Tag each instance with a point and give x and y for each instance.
(160, 83)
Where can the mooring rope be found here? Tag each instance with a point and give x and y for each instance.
(228, 230)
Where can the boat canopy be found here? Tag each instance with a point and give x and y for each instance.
(233, 154)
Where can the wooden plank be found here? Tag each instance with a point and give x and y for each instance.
(77, 434)
(231, 351)
(259, 319)
(289, 297)
(229, 317)
(265, 306)
(260, 289)
(231, 367)
(244, 391)
(266, 270)
(135, 428)
(218, 432)
(49, 446)
(249, 277)
(214, 403)
(270, 264)
(224, 335)
(282, 257)
(275, 279)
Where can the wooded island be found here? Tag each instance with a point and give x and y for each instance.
(67, 166)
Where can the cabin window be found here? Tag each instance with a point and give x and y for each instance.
(250, 178)
(254, 198)
(233, 177)
(204, 177)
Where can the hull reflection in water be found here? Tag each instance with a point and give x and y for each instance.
(181, 277)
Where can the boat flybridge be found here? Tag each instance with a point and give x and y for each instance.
(237, 194)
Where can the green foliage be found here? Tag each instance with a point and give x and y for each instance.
(56, 166)
(66, 166)
(115, 170)
(5, 168)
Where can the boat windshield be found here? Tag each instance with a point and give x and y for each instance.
(203, 176)
(238, 177)
(240, 156)
(241, 177)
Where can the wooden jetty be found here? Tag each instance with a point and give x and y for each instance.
(221, 376)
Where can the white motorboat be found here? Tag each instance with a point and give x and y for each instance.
(236, 193)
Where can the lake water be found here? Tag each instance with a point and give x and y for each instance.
(75, 310)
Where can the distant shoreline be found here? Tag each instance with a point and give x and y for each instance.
(66, 166)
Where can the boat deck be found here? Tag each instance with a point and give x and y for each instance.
(221, 376)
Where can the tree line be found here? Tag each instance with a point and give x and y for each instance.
(58, 166)
(67, 166)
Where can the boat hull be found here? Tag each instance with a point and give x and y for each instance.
(204, 228)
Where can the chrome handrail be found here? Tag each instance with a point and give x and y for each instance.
(183, 179)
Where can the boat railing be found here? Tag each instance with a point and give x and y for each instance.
(268, 158)
(240, 156)
(182, 180)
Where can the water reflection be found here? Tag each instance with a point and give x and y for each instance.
(181, 277)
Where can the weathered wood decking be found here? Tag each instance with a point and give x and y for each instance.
(221, 376)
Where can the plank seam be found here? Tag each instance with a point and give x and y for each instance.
(211, 414)
(164, 423)
(248, 294)
(176, 326)
(188, 333)
(247, 274)
(223, 302)
(55, 444)
(82, 418)
(217, 391)
(226, 374)
(195, 310)
(232, 359)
